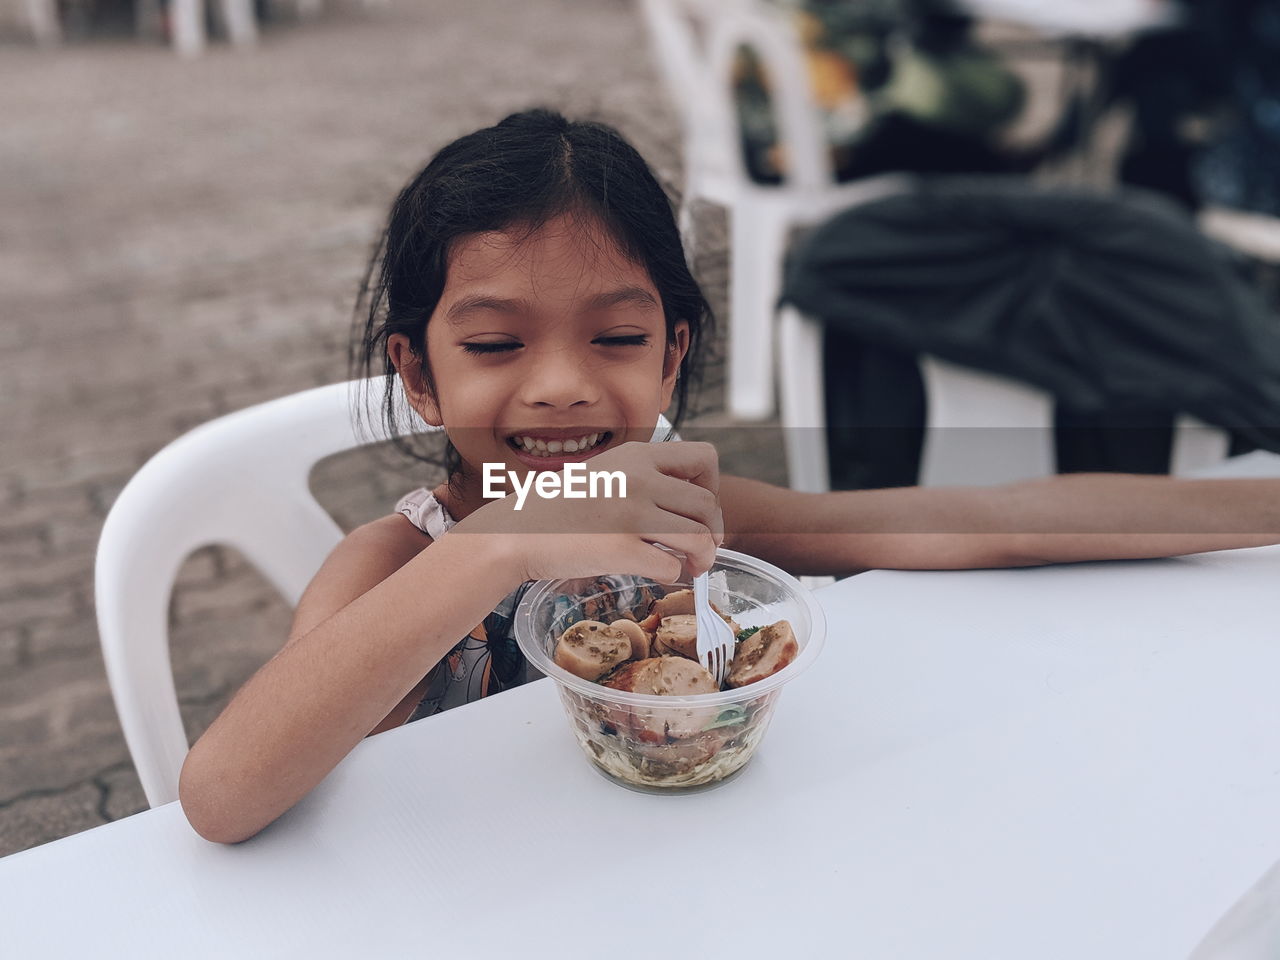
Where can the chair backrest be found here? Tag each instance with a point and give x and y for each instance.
(239, 481)
(696, 43)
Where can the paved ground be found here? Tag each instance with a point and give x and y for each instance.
(182, 239)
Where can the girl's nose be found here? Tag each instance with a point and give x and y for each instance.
(560, 379)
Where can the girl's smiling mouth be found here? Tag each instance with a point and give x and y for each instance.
(546, 448)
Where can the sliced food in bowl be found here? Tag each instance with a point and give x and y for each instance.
(641, 642)
(657, 657)
(673, 604)
(677, 635)
(589, 649)
(654, 719)
(663, 677)
(625, 654)
(763, 654)
(677, 604)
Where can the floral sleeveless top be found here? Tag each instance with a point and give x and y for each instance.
(488, 659)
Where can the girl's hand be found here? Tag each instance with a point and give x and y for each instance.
(672, 499)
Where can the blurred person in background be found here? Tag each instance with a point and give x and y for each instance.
(901, 84)
(1205, 94)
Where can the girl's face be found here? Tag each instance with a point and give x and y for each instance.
(546, 347)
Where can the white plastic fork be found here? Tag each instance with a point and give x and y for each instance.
(715, 637)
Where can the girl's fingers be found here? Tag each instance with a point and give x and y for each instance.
(687, 499)
(659, 565)
(700, 550)
(669, 567)
(689, 460)
(689, 538)
(655, 523)
(695, 504)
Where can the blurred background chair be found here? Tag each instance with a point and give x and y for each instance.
(696, 43)
(1019, 302)
(931, 100)
(183, 21)
(187, 24)
(43, 22)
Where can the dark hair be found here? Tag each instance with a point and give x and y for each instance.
(526, 170)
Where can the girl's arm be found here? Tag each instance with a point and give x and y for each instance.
(1053, 520)
(383, 610)
(389, 604)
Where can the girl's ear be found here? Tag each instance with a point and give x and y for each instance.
(409, 365)
(677, 347)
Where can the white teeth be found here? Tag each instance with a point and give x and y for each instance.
(546, 448)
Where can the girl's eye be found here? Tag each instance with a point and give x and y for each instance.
(483, 348)
(634, 340)
(506, 346)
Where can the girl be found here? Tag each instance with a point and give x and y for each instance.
(533, 299)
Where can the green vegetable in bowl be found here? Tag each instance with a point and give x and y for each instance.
(729, 717)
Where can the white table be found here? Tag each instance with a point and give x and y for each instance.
(1063, 762)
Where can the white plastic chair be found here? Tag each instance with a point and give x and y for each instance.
(1255, 234)
(43, 22)
(238, 18)
(240, 481)
(980, 428)
(187, 24)
(695, 42)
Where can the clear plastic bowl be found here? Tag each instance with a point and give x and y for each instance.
(669, 744)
